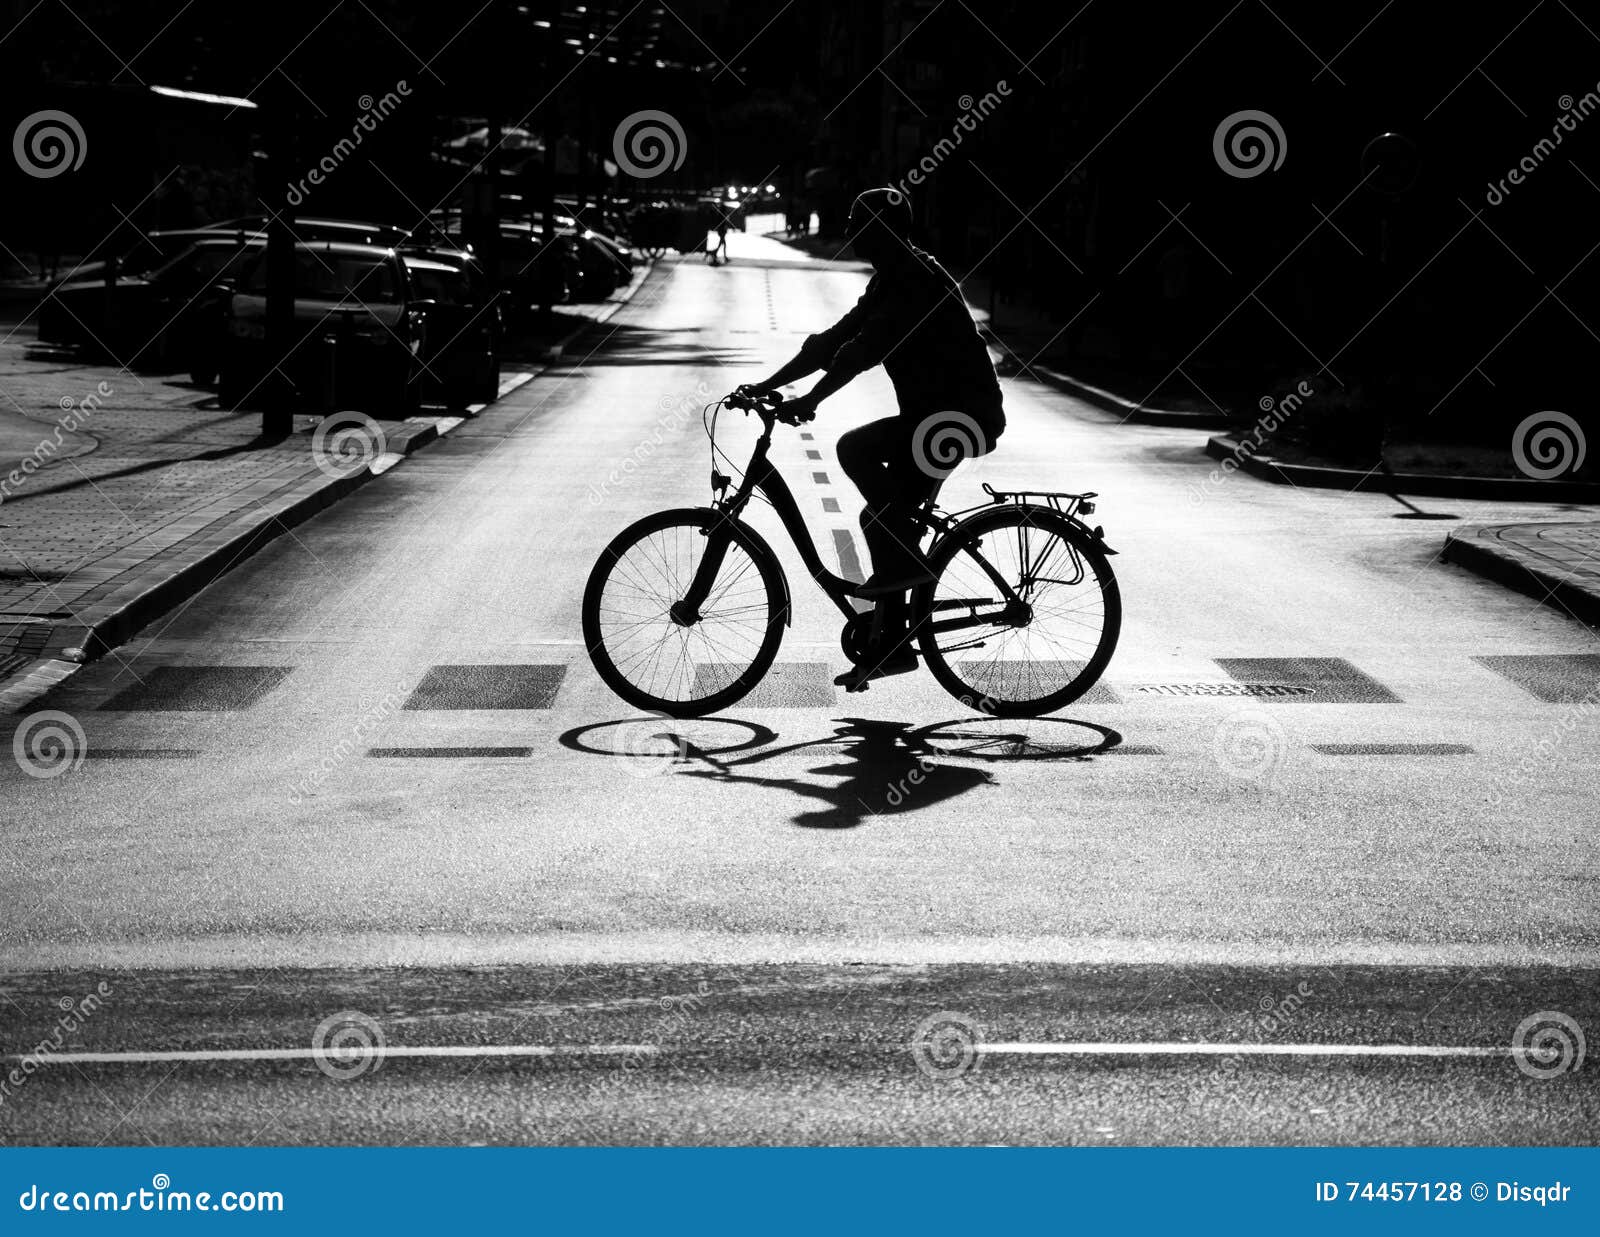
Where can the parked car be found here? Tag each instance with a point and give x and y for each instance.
(324, 228)
(170, 317)
(360, 330)
(533, 270)
(600, 270)
(151, 250)
(461, 352)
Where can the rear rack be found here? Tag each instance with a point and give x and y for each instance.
(1058, 500)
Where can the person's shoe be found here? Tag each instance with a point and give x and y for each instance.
(896, 580)
(900, 661)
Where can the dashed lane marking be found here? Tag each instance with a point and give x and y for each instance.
(1221, 689)
(1392, 749)
(141, 753)
(849, 562)
(446, 752)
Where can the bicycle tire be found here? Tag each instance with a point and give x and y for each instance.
(992, 685)
(712, 685)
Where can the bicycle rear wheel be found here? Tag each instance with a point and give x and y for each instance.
(1019, 660)
(645, 655)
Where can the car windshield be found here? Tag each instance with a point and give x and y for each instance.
(324, 276)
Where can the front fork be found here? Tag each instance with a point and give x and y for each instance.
(685, 612)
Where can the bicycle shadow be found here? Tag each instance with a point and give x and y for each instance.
(882, 768)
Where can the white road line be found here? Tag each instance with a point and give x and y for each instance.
(341, 1055)
(1180, 1049)
(1086, 1048)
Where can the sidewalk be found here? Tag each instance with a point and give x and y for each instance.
(1557, 563)
(122, 494)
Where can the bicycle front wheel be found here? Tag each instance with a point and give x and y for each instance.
(1040, 648)
(644, 653)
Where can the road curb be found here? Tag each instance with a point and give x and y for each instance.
(1376, 481)
(565, 346)
(1481, 550)
(172, 576)
(1125, 409)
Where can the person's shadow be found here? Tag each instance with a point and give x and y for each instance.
(885, 769)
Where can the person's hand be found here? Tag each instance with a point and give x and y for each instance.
(799, 410)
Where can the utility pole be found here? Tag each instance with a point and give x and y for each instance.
(277, 415)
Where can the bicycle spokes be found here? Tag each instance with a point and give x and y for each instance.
(1023, 613)
(678, 653)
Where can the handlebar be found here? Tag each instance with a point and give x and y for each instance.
(765, 404)
(747, 398)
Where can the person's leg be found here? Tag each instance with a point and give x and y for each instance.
(897, 487)
(867, 454)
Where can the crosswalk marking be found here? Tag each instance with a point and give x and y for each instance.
(1555, 678)
(200, 689)
(509, 686)
(1333, 680)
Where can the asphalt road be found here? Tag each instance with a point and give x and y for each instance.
(868, 1054)
(271, 781)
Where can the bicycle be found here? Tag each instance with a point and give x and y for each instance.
(685, 609)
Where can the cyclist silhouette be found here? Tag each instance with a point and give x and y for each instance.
(912, 320)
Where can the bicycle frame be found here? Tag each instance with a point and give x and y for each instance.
(760, 474)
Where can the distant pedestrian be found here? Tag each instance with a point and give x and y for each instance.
(721, 251)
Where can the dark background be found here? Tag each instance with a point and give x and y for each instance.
(1446, 313)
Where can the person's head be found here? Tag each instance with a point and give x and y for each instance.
(880, 223)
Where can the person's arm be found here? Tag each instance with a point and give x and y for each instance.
(819, 349)
(871, 334)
